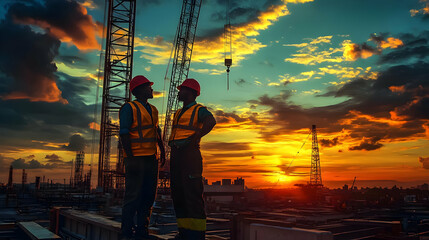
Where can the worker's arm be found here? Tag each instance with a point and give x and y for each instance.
(126, 144)
(208, 123)
(125, 122)
(161, 147)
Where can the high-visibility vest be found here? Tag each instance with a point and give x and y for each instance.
(143, 132)
(187, 124)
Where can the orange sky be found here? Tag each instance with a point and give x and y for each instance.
(364, 83)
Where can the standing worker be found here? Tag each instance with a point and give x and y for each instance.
(139, 133)
(190, 123)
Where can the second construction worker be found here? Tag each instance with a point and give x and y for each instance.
(140, 135)
(190, 124)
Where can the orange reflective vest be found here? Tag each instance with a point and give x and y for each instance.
(187, 124)
(143, 132)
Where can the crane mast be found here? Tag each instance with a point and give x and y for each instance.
(184, 43)
(117, 75)
(316, 173)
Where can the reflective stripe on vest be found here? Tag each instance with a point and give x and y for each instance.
(143, 130)
(187, 124)
(194, 224)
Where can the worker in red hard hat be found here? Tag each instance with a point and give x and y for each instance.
(139, 134)
(190, 124)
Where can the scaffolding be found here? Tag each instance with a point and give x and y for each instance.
(78, 169)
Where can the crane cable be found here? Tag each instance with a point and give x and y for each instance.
(100, 62)
(227, 40)
(298, 151)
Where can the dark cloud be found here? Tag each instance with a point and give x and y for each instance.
(240, 13)
(30, 156)
(73, 61)
(53, 158)
(20, 163)
(294, 170)
(237, 15)
(74, 87)
(27, 64)
(32, 93)
(368, 145)
(29, 124)
(425, 162)
(76, 143)
(329, 142)
(355, 51)
(240, 82)
(378, 38)
(63, 19)
(223, 117)
(415, 48)
(32, 164)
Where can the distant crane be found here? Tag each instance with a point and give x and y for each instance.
(316, 172)
(183, 46)
(354, 180)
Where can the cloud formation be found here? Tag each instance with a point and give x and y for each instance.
(56, 163)
(353, 51)
(76, 143)
(27, 64)
(309, 53)
(65, 20)
(424, 11)
(425, 162)
(415, 48)
(372, 114)
(329, 142)
(209, 49)
(53, 158)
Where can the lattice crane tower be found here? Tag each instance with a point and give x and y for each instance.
(316, 172)
(117, 75)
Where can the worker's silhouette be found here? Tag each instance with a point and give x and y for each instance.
(139, 133)
(190, 123)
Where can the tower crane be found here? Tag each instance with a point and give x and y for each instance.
(118, 64)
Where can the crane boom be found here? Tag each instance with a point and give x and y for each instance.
(184, 43)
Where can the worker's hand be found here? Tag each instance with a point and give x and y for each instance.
(195, 139)
(162, 158)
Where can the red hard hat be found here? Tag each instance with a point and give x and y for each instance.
(192, 84)
(139, 80)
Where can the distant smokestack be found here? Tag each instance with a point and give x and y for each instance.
(10, 181)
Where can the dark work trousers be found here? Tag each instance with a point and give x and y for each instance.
(141, 177)
(186, 167)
